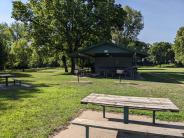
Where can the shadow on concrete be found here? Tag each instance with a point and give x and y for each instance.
(16, 93)
(149, 123)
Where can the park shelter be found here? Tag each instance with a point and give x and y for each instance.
(110, 57)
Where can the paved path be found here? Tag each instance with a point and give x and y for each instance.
(79, 132)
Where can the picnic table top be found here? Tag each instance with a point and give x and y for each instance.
(132, 102)
(6, 75)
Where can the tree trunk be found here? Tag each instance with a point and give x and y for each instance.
(64, 63)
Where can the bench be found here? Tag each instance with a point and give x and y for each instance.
(15, 81)
(130, 128)
(129, 102)
(6, 76)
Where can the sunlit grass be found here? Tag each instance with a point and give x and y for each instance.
(53, 99)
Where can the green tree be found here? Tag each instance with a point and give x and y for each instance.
(161, 53)
(139, 46)
(3, 54)
(65, 26)
(179, 46)
(133, 24)
(21, 53)
(19, 50)
(5, 43)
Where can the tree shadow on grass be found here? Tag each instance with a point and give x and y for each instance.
(18, 75)
(63, 73)
(164, 77)
(17, 93)
(150, 69)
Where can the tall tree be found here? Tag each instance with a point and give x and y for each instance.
(21, 53)
(132, 26)
(5, 43)
(179, 46)
(3, 54)
(65, 26)
(133, 23)
(161, 53)
(139, 46)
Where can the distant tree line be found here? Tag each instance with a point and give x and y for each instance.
(164, 52)
(47, 32)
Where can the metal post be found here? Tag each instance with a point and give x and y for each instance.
(6, 81)
(126, 114)
(103, 111)
(87, 131)
(78, 77)
(154, 115)
(119, 78)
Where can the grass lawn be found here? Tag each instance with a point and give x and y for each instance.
(54, 99)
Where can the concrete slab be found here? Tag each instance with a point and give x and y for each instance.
(73, 131)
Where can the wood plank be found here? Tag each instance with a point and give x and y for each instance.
(131, 102)
(132, 128)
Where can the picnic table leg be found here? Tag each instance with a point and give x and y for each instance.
(119, 78)
(6, 81)
(78, 77)
(126, 114)
(14, 82)
(154, 115)
(103, 111)
(87, 131)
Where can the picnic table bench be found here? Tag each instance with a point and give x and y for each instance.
(137, 129)
(6, 76)
(15, 81)
(128, 102)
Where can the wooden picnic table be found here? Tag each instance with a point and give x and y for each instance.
(128, 102)
(6, 76)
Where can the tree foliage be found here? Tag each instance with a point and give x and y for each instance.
(161, 52)
(4, 44)
(139, 46)
(179, 46)
(65, 26)
(21, 52)
(133, 24)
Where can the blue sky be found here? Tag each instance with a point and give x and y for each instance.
(162, 18)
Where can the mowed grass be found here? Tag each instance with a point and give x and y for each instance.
(53, 99)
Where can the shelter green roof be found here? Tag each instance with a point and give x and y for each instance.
(107, 47)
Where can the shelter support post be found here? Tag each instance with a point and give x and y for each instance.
(6, 81)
